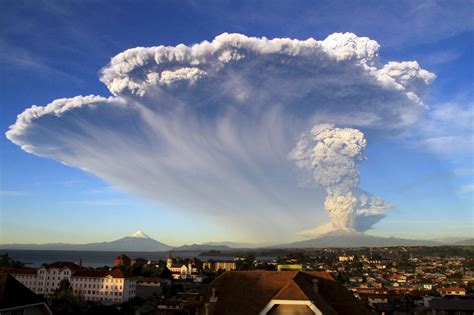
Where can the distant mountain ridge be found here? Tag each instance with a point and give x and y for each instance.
(238, 245)
(138, 242)
(468, 242)
(355, 239)
(201, 247)
(141, 242)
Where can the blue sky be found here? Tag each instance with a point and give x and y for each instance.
(56, 49)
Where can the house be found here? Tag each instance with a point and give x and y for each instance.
(220, 265)
(373, 299)
(451, 291)
(427, 286)
(122, 260)
(272, 292)
(345, 258)
(147, 287)
(15, 298)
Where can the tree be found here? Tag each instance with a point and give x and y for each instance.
(64, 300)
(64, 286)
(136, 269)
(7, 261)
(166, 273)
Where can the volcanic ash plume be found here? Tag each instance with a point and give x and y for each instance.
(205, 129)
(332, 155)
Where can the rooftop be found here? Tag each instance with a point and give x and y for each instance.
(248, 292)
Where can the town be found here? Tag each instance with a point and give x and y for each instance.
(381, 280)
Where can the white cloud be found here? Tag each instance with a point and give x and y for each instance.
(447, 130)
(207, 128)
(465, 189)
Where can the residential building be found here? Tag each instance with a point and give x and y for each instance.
(346, 258)
(452, 291)
(92, 285)
(220, 265)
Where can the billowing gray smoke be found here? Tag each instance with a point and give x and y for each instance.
(332, 155)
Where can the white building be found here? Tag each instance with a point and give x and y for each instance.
(90, 284)
(181, 271)
(220, 265)
(345, 258)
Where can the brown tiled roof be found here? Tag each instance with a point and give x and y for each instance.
(64, 264)
(21, 271)
(451, 289)
(337, 296)
(248, 292)
(291, 291)
(119, 273)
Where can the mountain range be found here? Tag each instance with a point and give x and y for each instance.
(140, 242)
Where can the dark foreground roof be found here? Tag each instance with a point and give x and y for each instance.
(13, 293)
(452, 305)
(248, 292)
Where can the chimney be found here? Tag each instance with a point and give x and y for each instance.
(213, 298)
(80, 262)
(315, 285)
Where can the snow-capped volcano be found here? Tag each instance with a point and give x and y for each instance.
(140, 234)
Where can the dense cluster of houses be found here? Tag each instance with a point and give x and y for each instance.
(403, 285)
(306, 284)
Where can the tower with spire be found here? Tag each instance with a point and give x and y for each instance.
(169, 261)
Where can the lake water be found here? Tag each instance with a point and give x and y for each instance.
(34, 258)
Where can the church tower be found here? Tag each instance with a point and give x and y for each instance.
(169, 261)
